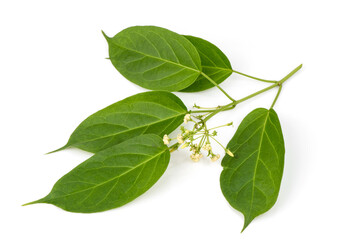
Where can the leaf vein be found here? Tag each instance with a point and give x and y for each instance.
(161, 59)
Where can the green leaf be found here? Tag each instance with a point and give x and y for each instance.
(112, 177)
(250, 181)
(154, 58)
(155, 112)
(214, 63)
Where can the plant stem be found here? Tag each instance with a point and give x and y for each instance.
(240, 100)
(225, 125)
(276, 97)
(218, 143)
(201, 111)
(233, 104)
(259, 79)
(290, 74)
(213, 82)
(212, 110)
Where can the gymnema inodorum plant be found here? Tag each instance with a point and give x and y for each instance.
(130, 138)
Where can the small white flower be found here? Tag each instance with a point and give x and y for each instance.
(215, 158)
(187, 131)
(192, 156)
(180, 138)
(166, 139)
(196, 157)
(187, 118)
(207, 147)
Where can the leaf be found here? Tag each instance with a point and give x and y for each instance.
(250, 181)
(154, 58)
(112, 177)
(155, 112)
(214, 63)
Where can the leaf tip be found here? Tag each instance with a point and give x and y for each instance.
(246, 223)
(30, 203)
(57, 150)
(106, 36)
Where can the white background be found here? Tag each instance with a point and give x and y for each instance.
(54, 74)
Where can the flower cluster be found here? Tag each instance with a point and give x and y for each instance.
(197, 139)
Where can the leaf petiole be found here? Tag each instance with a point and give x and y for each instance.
(217, 85)
(276, 97)
(259, 79)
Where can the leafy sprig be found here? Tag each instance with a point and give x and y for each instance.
(129, 138)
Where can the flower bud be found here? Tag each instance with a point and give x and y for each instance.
(180, 138)
(184, 145)
(166, 139)
(187, 118)
(229, 153)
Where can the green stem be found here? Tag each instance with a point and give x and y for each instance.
(200, 111)
(199, 133)
(201, 142)
(198, 107)
(209, 111)
(240, 100)
(222, 90)
(218, 143)
(259, 79)
(276, 97)
(197, 138)
(290, 74)
(233, 104)
(225, 125)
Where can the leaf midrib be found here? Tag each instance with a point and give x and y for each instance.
(154, 57)
(119, 176)
(257, 161)
(130, 129)
(214, 64)
(221, 68)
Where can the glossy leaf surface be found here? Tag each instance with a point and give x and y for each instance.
(155, 112)
(112, 177)
(214, 63)
(154, 58)
(250, 181)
